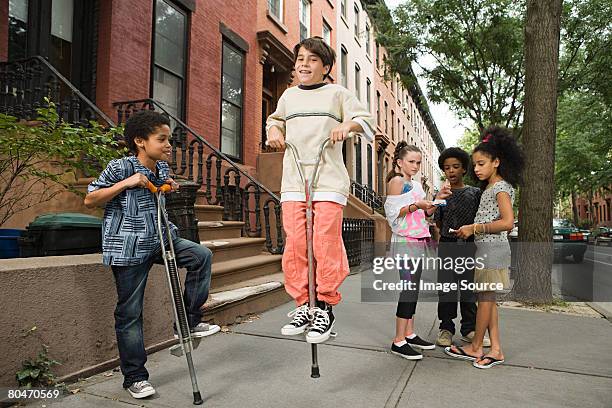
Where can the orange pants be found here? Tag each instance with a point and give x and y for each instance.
(331, 263)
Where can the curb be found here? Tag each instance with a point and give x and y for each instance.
(607, 314)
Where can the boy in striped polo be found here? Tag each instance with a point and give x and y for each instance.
(130, 244)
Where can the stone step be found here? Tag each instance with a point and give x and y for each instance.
(227, 304)
(205, 212)
(213, 230)
(238, 270)
(234, 248)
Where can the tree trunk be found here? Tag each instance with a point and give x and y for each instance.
(574, 208)
(542, 29)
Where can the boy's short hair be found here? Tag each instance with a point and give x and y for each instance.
(142, 124)
(456, 153)
(317, 46)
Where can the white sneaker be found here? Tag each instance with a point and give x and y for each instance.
(201, 330)
(299, 323)
(141, 389)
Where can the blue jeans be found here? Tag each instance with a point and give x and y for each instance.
(131, 282)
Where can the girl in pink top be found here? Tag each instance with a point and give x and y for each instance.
(406, 210)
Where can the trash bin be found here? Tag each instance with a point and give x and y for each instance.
(9, 244)
(62, 234)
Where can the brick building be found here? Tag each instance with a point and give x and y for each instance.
(220, 66)
(197, 58)
(600, 213)
(402, 115)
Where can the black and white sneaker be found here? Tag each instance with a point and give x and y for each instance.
(201, 330)
(299, 323)
(406, 352)
(322, 323)
(141, 389)
(417, 342)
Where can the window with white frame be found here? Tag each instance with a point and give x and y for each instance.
(304, 19)
(358, 81)
(275, 8)
(326, 33)
(343, 67)
(356, 9)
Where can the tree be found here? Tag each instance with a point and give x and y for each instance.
(43, 158)
(542, 32)
(477, 51)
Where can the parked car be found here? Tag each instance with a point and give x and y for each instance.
(568, 240)
(602, 236)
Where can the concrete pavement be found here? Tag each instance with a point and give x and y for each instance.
(553, 360)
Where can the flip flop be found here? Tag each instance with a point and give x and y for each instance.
(461, 355)
(492, 362)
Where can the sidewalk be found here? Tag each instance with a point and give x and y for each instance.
(553, 360)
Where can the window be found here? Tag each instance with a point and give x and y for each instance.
(169, 57)
(404, 136)
(368, 94)
(275, 8)
(304, 19)
(392, 124)
(370, 180)
(386, 112)
(358, 167)
(358, 81)
(377, 54)
(18, 29)
(367, 39)
(399, 136)
(343, 67)
(378, 108)
(356, 28)
(343, 8)
(326, 33)
(231, 100)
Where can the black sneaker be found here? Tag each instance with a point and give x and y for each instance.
(322, 323)
(419, 343)
(299, 323)
(406, 352)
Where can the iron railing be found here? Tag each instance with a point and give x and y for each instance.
(358, 237)
(366, 195)
(224, 182)
(25, 83)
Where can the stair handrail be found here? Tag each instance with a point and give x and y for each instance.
(66, 82)
(199, 138)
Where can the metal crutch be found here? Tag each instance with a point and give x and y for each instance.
(308, 184)
(186, 343)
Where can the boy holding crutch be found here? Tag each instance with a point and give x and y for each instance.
(306, 115)
(130, 242)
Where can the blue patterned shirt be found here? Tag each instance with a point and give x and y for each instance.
(129, 227)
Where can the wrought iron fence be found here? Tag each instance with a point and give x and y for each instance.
(358, 237)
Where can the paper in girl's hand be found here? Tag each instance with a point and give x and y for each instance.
(452, 230)
(439, 203)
